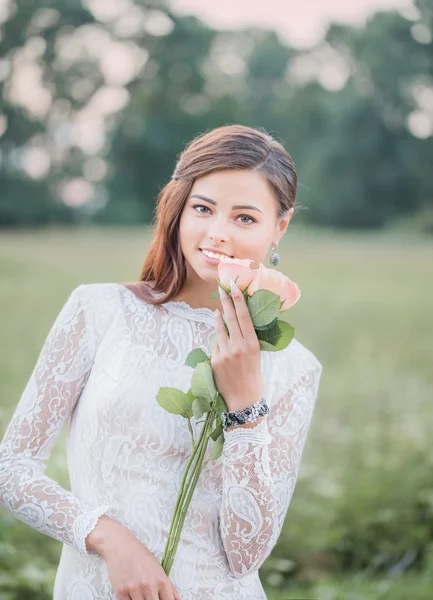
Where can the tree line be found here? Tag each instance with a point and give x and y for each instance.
(95, 108)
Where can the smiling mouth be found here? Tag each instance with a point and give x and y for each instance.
(224, 256)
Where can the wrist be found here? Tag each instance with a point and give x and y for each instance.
(243, 416)
(236, 404)
(98, 539)
(247, 425)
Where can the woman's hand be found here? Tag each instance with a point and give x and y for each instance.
(134, 572)
(235, 360)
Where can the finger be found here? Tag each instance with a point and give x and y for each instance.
(176, 594)
(143, 595)
(137, 595)
(246, 325)
(166, 593)
(230, 316)
(221, 333)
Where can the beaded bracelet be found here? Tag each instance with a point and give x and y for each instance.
(245, 415)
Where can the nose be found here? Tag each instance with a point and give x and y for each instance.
(217, 239)
(217, 233)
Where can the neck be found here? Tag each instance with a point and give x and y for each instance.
(199, 298)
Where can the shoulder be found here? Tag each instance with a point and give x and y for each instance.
(97, 292)
(128, 296)
(301, 358)
(295, 364)
(101, 302)
(105, 301)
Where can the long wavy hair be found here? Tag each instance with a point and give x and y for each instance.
(227, 147)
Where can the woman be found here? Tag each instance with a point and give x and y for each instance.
(110, 350)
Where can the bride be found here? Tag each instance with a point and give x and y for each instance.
(111, 348)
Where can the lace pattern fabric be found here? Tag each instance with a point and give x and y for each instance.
(98, 372)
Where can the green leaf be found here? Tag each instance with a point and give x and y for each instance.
(217, 447)
(277, 337)
(271, 334)
(287, 334)
(195, 356)
(191, 399)
(217, 432)
(265, 346)
(220, 404)
(268, 326)
(174, 401)
(202, 382)
(200, 407)
(263, 306)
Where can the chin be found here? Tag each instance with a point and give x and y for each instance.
(202, 271)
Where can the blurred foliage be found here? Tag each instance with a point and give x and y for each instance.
(27, 566)
(97, 103)
(360, 524)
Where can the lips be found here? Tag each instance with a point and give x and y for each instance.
(201, 250)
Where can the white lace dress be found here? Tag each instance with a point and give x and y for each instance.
(99, 371)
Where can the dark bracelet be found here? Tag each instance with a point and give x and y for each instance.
(245, 415)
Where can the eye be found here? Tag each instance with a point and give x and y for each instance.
(252, 220)
(200, 206)
(248, 217)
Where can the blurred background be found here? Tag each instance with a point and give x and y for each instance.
(97, 99)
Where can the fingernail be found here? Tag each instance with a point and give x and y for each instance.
(223, 293)
(234, 288)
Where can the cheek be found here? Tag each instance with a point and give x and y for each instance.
(254, 247)
(255, 241)
(188, 230)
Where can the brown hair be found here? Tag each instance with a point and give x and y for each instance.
(227, 147)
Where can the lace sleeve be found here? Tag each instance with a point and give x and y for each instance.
(46, 404)
(259, 470)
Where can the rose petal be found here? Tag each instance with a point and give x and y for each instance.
(237, 269)
(276, 282)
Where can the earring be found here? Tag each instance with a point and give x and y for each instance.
(275, 258)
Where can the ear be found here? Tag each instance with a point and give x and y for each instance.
(283, 222)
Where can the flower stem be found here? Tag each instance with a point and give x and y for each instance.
(171, 532)
(191, 432)
(171, 544)
(183, 491)
(194, 479)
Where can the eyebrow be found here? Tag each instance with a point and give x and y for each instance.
(234, 207)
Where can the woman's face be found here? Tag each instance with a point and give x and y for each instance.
(211, 218)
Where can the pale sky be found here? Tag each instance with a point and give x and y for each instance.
(301, 23)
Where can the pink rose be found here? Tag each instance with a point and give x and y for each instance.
(277, 282)
(237, 269)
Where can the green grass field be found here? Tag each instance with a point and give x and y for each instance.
(366, 311)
